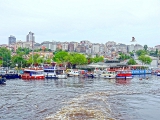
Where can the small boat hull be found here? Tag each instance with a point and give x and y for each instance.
(158, 74)
(2, 81)
(124, 77)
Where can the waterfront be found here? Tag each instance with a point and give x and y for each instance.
(78, 98)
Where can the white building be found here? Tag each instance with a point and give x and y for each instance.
(130, 48)
(64, 45)
(138, 47)
(95, 48)
(121, 48)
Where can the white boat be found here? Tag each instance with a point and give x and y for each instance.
(33, 73)
(50, 72)
(60, 72)
(110, 75)
(72, 72)
(97, 73)
(158, 73)
(54, 72)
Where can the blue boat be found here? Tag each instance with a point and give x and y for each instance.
(3, 73)
(12, 74)
(140, 72)
(2, 80)
(140, 69)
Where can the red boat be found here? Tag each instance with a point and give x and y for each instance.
(125, 74)
(33, 73)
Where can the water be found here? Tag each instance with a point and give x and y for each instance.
(79, 99)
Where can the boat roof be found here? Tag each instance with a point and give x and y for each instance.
(138, 65)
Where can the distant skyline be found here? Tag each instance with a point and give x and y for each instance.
(98, 21)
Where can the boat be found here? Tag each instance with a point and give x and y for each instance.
(12, 74)
(110, 75)
(97, 72)
(124, 74)
(72, 72)
(61, 74)
(33, 73)
(50, 72)
(140, 69)
(158, 73)
(3, 73)
(2, 80)
(54, 72)
(85, 74)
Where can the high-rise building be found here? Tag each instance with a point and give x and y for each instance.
(30, 37)
(11, 39)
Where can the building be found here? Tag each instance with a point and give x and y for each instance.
(121, 48)
(71, 47)
(11, 40)
(138, 47)
(157, 47)
(64, 46)
(81, 49)
(95, 48)
(130, 48)
(30, 37)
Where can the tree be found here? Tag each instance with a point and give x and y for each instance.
(131, 53)
(78, 59)
(24, 51)
(132, 62)
(145, 59)
(145, 47)
(141, 52)
(33, 59)
(123, 56)
(61, 57)
(156, 52)
(5, 55)
(97, 59)
(19, 60)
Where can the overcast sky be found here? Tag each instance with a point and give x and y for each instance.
(98, 21)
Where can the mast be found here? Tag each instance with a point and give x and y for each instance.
(32, 53)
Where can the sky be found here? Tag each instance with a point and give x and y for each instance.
(98, 21)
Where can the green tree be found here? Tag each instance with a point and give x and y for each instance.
(19, 60)
(145, 59)
(156, 52)
(24, 51)
(78, 59)
(5, 56)
(33, 59)
(141, 52)
(123, 56)
(97, 59)
(132, 62)
(61, 57)
(145, 47)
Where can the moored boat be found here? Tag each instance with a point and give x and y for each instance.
(158, 73)
(12, 74)
(110, 75)
(125, 74)
(33, 73)
(97, 72)
(72, 72)
(140, 69)
(50, 72)
(3, 73)
(2, 80)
